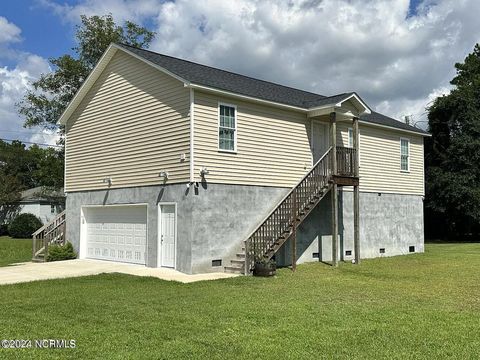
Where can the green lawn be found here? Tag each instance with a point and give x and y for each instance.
(421, 306)
(14, 250)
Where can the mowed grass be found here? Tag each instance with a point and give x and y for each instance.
(14, 250)
(421, 306)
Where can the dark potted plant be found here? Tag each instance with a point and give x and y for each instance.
(264, 267)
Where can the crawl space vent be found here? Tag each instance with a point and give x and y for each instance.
(315, 255)
(216, 262)
(348, 253)
(382, 250)
(411, 249)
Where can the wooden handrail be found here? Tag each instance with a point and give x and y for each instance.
(279, 223)
(51, 233)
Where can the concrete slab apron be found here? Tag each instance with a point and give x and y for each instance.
(27, 272)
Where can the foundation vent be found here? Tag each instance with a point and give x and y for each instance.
(382, 250)
(411, 249)
(315, 255)
(348, 252)
(216, 262)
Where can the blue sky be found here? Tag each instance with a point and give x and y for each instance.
(397, 54)
(43, 32)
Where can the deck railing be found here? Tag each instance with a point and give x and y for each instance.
(346, 158)
(51, 233)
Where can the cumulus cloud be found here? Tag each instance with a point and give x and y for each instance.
(14, 82)
(397, 58)
(8, 32)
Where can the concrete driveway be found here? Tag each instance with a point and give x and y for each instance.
(26, 272)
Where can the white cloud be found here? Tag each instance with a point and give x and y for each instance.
(397, 63)
(14, 82)
(8, 32)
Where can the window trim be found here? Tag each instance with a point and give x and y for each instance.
(408, 155)
(234, 151)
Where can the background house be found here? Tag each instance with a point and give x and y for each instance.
(42, 202)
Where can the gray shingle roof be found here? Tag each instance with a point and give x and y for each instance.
(244, 85)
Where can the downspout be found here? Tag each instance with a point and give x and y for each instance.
(192, 135)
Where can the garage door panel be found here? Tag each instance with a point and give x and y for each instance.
(117, 233)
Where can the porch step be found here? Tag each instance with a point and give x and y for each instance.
(234, 269)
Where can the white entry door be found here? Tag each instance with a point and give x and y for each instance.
(319, 140)
(116, 233)
(167, 233)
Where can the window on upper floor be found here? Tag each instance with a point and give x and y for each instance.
(227, 128)
(404, 155)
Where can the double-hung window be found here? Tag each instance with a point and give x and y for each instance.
(227, 128)
(404, 155)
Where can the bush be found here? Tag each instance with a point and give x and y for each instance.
(4, 230)
(61, 252)
(24, 225)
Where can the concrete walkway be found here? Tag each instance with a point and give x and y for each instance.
(26, 272)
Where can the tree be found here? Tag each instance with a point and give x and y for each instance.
(453, 155)
(52, 92)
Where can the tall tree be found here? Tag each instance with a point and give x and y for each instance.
(453, 155)
(51, 93)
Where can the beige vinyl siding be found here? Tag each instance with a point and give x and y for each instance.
(380, 160)
(133, 123)
(273, 146)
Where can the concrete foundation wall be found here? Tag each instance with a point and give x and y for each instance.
(387, 221)
(214, 219)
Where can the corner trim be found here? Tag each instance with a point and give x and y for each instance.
(192, 135)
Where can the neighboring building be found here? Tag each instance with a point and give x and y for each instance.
(171, 163)
(42, 203)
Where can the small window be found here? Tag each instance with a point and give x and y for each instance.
(350, 138)
(52, 209)
(404, 155)
(227, 127)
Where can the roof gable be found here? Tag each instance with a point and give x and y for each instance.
(209, 78)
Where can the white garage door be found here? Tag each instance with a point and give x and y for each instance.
(117, 233)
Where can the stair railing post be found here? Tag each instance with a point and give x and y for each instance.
(333, 142)
(294, 234)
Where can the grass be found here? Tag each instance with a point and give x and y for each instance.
(419, 306)
(14, 250)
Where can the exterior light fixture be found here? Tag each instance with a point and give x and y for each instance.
(163, 174)
(108, 181)
(204, 171)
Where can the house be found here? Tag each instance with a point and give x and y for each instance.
(170, 163)
(42, 202)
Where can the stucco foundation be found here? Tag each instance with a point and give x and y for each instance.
(214, 219)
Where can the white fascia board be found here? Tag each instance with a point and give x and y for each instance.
(360, 121)
(355, 96)
(245, 97)
(87, 84)
(95, 73)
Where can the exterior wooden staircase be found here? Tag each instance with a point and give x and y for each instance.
(51, 233)
(282, 222)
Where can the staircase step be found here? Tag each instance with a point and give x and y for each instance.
(234, 269)
(241, 255)
(238, 262)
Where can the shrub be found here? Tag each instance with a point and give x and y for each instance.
(61, 252)
(24, 225)
(4, 230)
